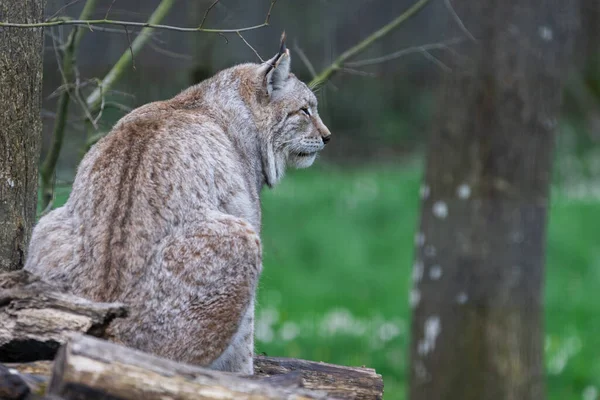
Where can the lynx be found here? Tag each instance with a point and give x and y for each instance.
(165, 212)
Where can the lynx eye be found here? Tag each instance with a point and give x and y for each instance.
(305, 110)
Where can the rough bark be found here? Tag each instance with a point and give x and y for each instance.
(36, 318)
(96, 369)
(20, 128)
(477, 329)
(336, 381)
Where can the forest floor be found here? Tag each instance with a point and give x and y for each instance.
(338, 254)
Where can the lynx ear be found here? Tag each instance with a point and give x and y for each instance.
(277, 70)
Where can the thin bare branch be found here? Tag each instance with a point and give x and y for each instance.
(59, 63)
(109, 8)
(47, 114)
(207, 12)
(79, 99)
(410, 50)
(305, 60)
(117, 92)
(130, 49)
(268, 18)
(92, 22)
(102, 104)
(67, 70)
(358, 72)
(363, 45)
(458, 20)
(110, 30)
(95, 98)
(436, 61)
(63, 8)
(173, 54)
(118, 106)
(252, 48)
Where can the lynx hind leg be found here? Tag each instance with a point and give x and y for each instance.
(208, 275)
(52, 249)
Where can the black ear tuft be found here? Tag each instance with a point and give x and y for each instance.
(276, 70)
(282, 48)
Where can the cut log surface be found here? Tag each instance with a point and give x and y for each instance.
(95, 369)
(36, 318)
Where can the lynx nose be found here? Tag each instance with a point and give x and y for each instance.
(326, 139)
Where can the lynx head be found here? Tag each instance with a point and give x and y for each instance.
(291, 130)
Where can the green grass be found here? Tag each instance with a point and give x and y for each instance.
(338, 250)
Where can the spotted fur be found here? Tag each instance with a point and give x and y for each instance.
(165, 212)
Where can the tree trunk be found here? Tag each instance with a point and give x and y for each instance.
(477, 328)
(20, 128)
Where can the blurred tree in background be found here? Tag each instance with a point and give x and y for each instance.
(478, 332)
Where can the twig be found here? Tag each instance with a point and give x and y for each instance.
(156, 47)
(358, 72)
(252, 48)
(109, 30)
(48, 167)
(207, 12)
(130, 49)
(117, 92)
(130, 13)
(458, 20)
(47, 114)
(305, 60)
(94, 100)
(361, 46)
(102, 104)
(436, 61)
(79, 98)
(63, 8)
(91, 22)
(268, 18)
(403, 52)
(118, 106)
(109, 8)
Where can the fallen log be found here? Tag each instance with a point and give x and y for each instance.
(36, 317)
(335, 380)
(90, 368)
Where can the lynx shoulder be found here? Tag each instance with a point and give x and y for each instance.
(165, 213)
